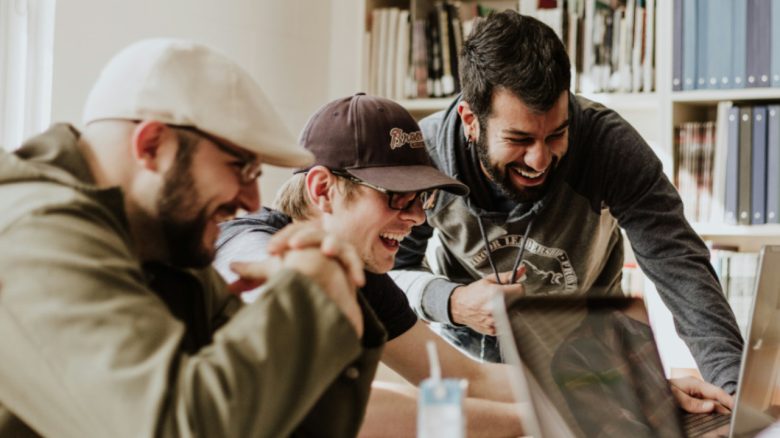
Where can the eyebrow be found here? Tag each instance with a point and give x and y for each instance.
(517, 132)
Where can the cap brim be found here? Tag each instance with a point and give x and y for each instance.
(409, 179)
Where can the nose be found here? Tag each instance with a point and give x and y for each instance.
(415, 213)
(538, 156)
(249, 196)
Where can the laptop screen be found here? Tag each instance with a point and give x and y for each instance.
(596, 364)
(758, 396)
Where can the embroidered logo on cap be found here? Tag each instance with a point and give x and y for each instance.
(398, 138)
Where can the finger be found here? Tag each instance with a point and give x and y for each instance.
(348, 257)
(285, 238)
(506, 277)
(705, 390)
(252, 271)
(513, 289)
(691, 404)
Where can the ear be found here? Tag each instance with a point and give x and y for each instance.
(319, 182)
(147, 142)
(470, 122)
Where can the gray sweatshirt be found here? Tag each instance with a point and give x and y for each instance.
(609, 179)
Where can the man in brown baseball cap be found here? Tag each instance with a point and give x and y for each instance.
(369, 185)
(113, 322)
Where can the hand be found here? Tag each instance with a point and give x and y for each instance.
(311, 235)
(323, 270)
(472, 305)
(697, 396)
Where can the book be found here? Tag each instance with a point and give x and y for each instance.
(719, 44)
(731, 195)
(689, 54)
(738, 42)
(758, 48)
(773, 164)
(758, 171)
(775, 39)
(677, 46)
(720, 163)
(745, 162)
(702, 44)
(648, 59)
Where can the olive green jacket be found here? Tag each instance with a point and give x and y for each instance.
(87, 348)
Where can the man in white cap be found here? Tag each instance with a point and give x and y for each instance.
(112, 322)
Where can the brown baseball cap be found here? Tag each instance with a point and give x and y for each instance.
(376, 140)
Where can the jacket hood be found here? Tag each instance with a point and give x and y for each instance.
(265, 220)
(51, 156)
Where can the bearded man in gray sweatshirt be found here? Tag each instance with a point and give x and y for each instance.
(553, 178)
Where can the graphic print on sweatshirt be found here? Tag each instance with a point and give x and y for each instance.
(548, 270)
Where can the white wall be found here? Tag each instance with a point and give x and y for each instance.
(284, 44)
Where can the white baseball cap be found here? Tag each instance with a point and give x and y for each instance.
(188, 84)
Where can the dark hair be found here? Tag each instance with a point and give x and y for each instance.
(515, 52)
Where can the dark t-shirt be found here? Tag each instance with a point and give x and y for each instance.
(387, 300)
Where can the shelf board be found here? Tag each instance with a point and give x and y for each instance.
(723, 230)
(706, 97)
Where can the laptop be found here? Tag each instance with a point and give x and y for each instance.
(589, 366)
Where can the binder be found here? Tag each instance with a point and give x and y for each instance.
(689, 33)
(677, 46)
(773, 165)
(758, 44)
(719, 44)
(758, 182)
(744, 191)
(702, 43)
(775, 65)
(731, 205)
(739, 42)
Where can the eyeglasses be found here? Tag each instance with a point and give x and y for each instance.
(396, 200)
(249, 167)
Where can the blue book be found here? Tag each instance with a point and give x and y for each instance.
(702, 43)
(744, 192)
(773, 165)
(719, 44)
(758, 44)
(775, 70)
(738, 42)
(732, 167)
(677, 49)
(689, 44)
(758, 182)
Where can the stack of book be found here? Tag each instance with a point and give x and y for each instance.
(725, 44)
(728, 171)
(610, 44)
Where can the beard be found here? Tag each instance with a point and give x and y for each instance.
(500, 177)
(183, 236)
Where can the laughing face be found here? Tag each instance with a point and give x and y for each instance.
(201, 189)
(372, 227)
(520, 148)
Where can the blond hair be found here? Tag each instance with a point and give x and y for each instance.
(292, 199)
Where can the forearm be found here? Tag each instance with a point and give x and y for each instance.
(490, 381)
(428, 294)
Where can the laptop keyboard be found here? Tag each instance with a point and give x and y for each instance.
(698, 424)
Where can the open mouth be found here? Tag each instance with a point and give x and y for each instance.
(392, 241)
(530, 177)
